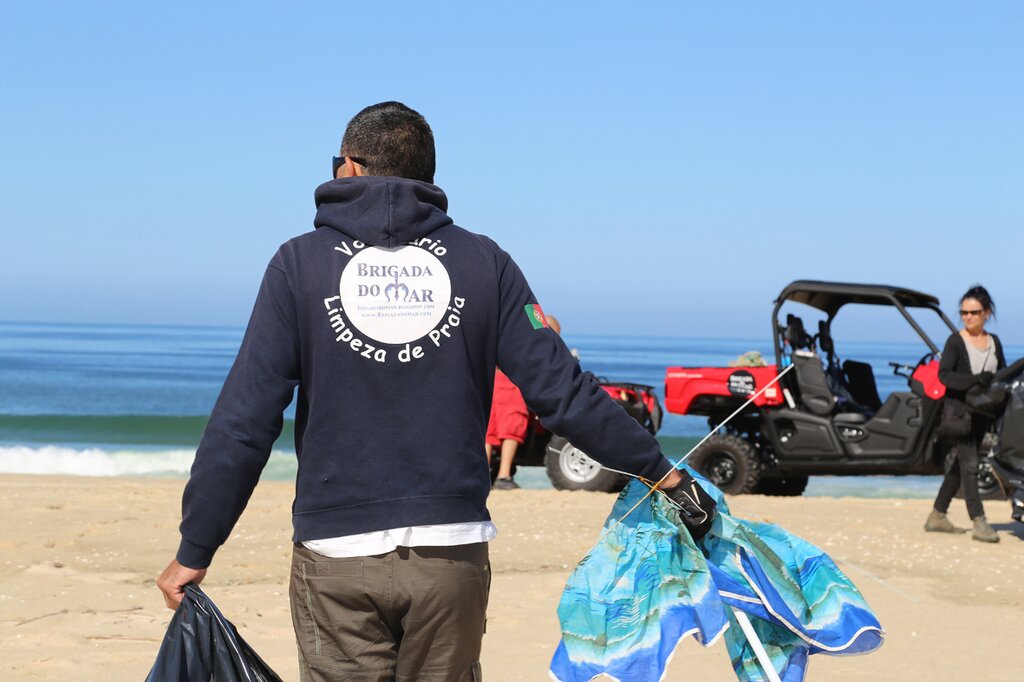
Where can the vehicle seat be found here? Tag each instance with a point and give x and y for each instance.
(833, 372)
(855, 389)
(815, 394)
(860, 380)
(796, 334)
(825, 345)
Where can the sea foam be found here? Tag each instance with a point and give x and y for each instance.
(53, 459)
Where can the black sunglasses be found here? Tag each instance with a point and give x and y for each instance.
(339, 161)
(963, 313)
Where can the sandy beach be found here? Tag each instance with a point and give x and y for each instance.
(78, 557)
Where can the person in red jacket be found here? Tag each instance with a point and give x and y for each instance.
(509, 422)
(506, 429)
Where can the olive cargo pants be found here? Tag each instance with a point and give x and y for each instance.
(412, 614)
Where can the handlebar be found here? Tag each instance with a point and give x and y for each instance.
(901, 370)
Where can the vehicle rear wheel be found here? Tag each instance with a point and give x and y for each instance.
(569, 468)
(729, 462)
(789, 486)
(988, 486)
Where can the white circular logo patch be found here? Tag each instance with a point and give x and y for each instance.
(395, 295)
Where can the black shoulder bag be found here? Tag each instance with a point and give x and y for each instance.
(956, 420)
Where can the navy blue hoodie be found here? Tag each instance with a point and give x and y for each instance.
(390, 319)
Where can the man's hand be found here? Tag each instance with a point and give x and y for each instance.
(697, 509)
(173, 580)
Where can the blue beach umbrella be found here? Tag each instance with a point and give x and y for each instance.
(774, 598)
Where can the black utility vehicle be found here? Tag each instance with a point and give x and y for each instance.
(824, 416)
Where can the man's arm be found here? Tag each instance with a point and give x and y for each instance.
(245, 422)
(567, 400)
(173, 580)
(571, 403)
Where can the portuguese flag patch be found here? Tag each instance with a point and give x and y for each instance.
(536, 316)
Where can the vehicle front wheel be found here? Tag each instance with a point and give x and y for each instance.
(729, 462)
(569, 468)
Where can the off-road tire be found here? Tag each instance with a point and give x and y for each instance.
(789, 486)
(569, 468)
(729, 462)
(988, 485)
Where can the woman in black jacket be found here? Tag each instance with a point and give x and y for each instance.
(970, 358)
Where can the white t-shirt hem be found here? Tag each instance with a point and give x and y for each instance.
(384, 541)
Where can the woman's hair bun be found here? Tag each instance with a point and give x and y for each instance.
(981, 295)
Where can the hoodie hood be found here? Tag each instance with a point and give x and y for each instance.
(381, 211)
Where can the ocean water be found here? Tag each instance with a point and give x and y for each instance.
(129, 400)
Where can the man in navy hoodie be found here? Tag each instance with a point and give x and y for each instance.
(390, 320)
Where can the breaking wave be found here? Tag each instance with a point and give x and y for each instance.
(58, 460)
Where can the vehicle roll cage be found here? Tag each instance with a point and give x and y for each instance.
(829, 297)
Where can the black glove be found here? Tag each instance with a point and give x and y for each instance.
(697, 509)
(985, 378)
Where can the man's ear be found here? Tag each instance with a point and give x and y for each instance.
(350, 169)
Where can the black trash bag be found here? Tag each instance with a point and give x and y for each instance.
(202, 646)
(988, 401)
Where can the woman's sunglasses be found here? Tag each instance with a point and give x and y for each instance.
(966, 313)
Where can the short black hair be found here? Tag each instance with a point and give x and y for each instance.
(981, 295)
(393, 140)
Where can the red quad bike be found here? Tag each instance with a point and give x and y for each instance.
(568, 467)
(824, 416)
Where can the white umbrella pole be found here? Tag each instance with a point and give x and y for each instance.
(755, 643)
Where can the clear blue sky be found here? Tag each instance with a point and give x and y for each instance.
(655, 168)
